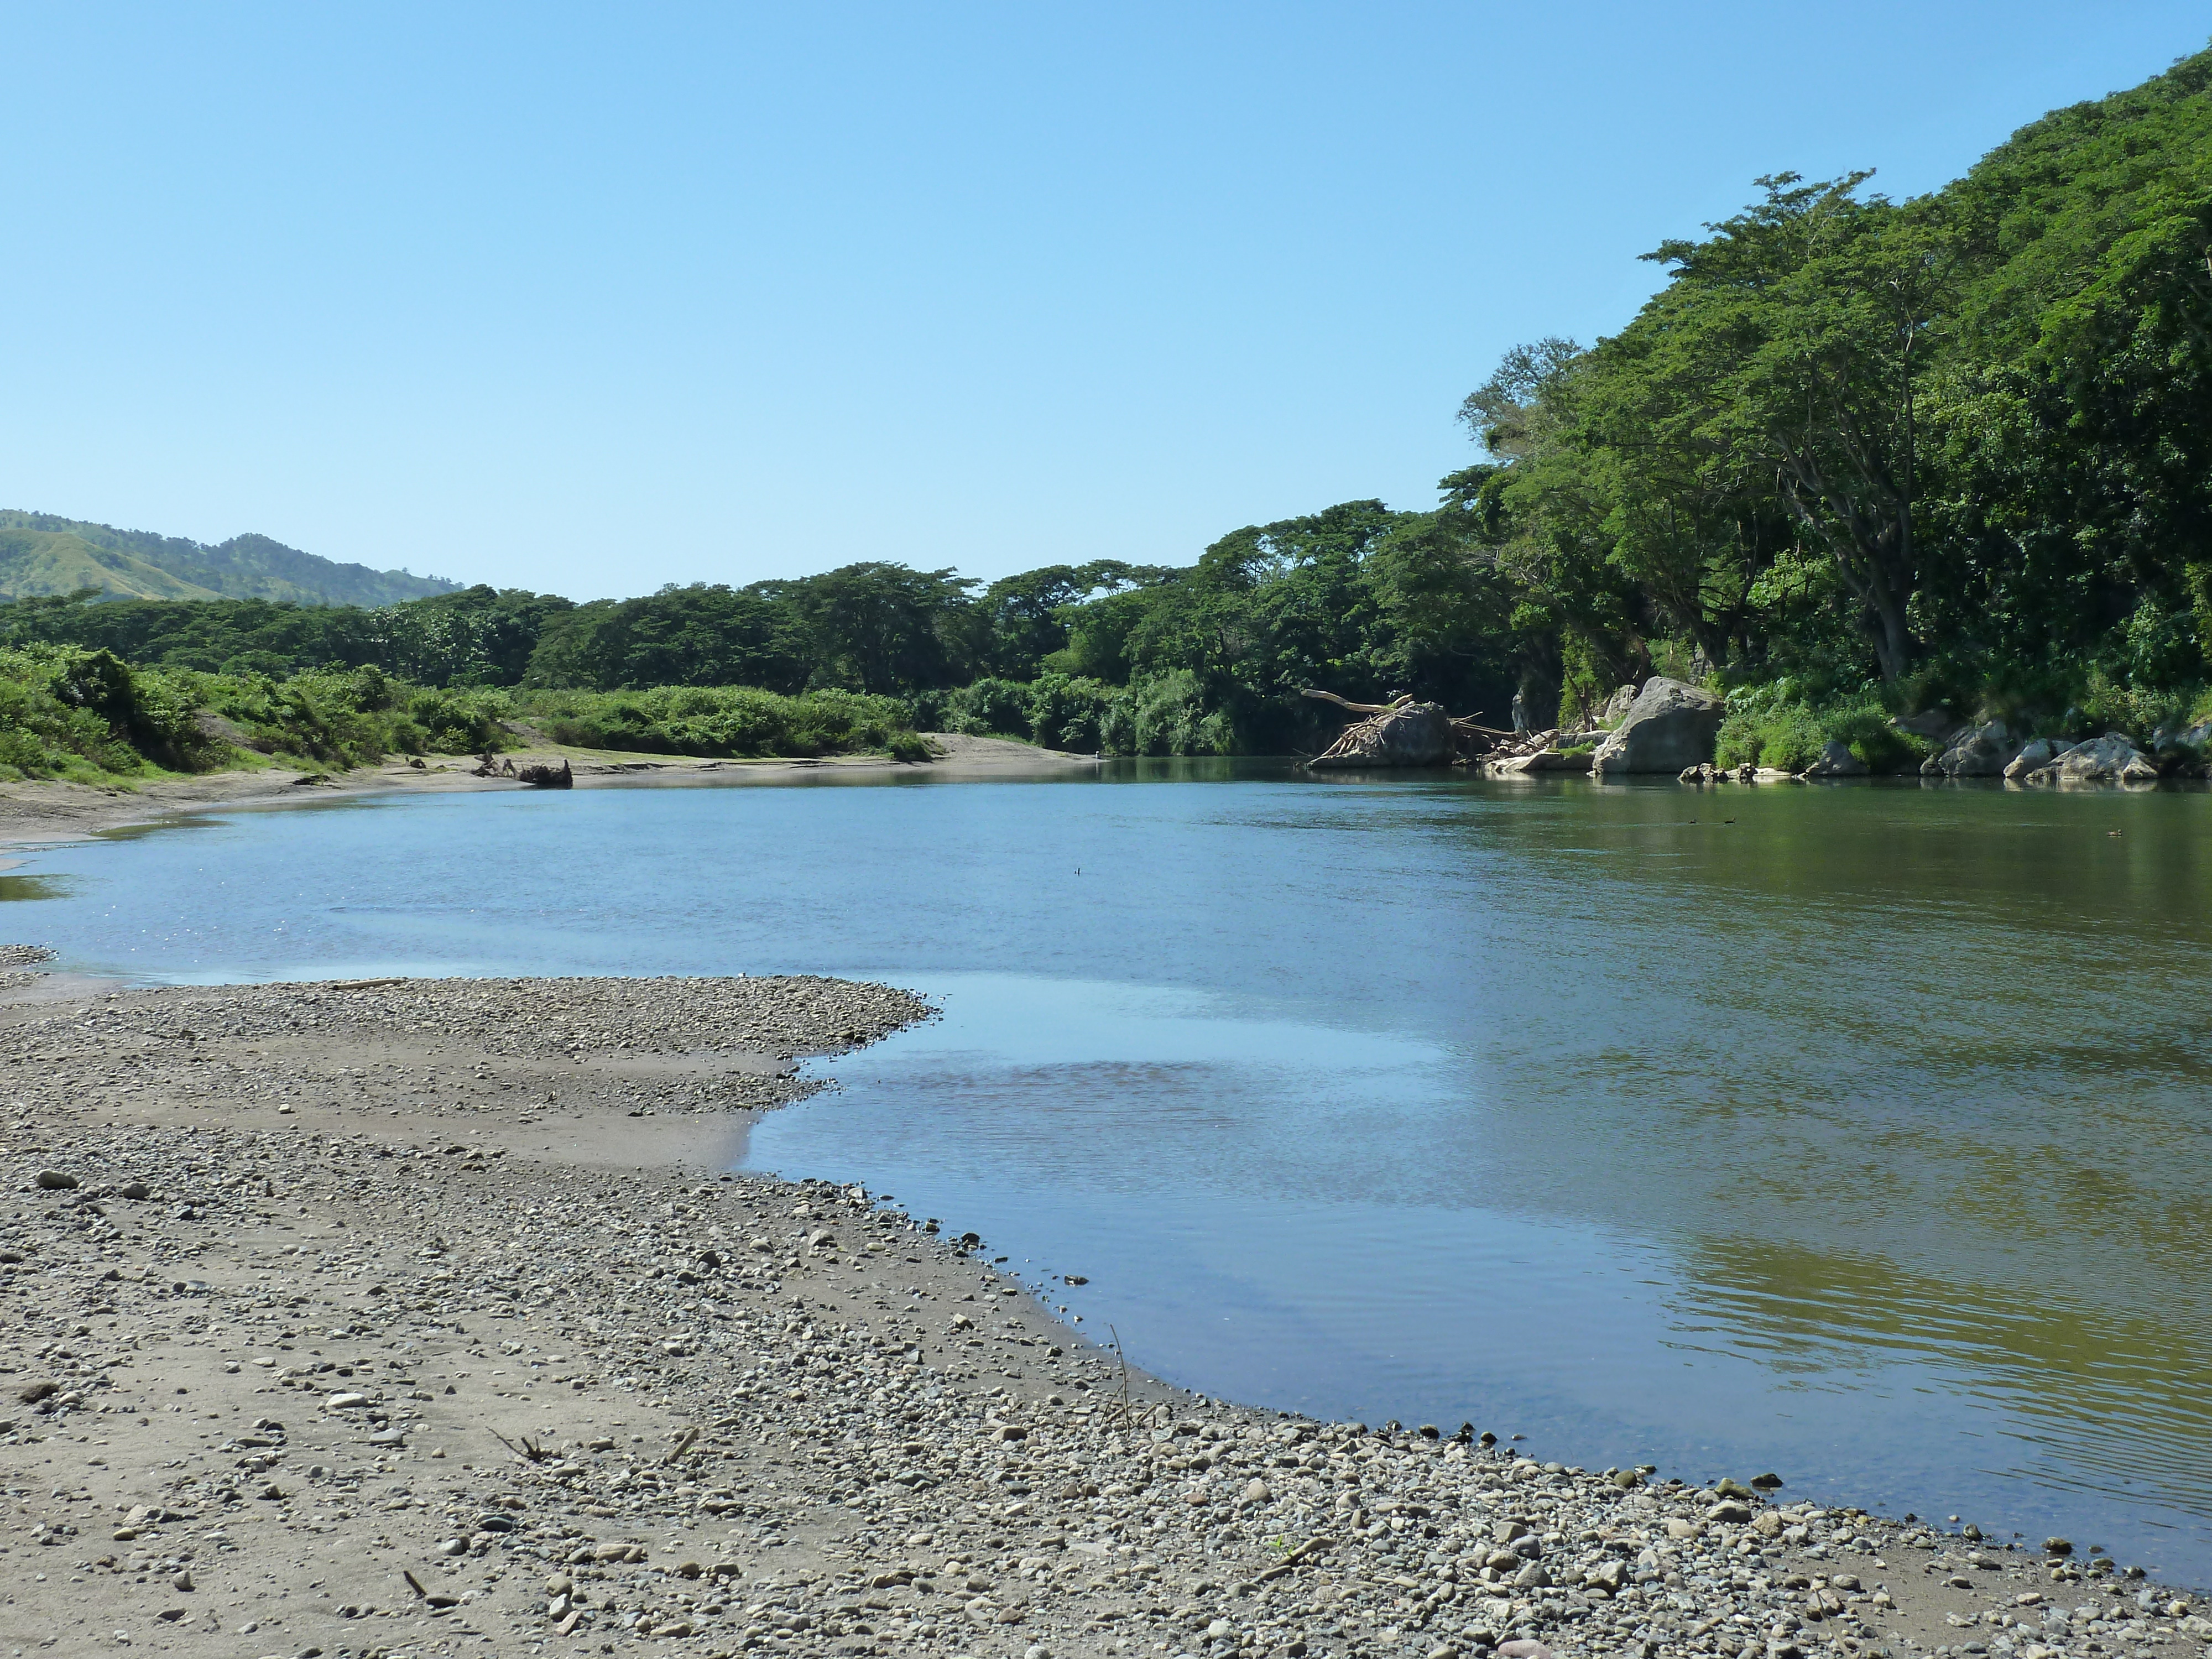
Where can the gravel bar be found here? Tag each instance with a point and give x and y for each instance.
(409, 1317)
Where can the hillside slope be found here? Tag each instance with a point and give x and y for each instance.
(41, 553)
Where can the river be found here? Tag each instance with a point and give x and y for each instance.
(1860, 1133)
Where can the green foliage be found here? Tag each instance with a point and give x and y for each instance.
(60, 714)
(723, 721)
(1165, 714)
(1864, 729)
(988, 708)
(1029, 614)
(1066, 712)
(476, 636)
(1780, 724)
(344, 718)
(67, 712)
(71, 712)
(883, 627)
(698, 636)
(1962, 443)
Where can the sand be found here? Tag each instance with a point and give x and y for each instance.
(425, 1317)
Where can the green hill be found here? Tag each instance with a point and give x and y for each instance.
(40, 554)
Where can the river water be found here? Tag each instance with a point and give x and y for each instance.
(1859, 1134)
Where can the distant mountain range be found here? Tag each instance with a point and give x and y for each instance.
(42, 554)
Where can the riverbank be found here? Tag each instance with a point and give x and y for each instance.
(406, 1316)
(35, 812)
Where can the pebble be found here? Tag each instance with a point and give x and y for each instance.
(751, 1436)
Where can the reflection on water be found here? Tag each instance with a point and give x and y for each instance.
(15, 889)
(1862, 1137)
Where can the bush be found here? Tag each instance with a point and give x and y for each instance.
(727, 721)
(1066, 712)
(1165, 713)
(69, 711)
(1864, 729)
(457, 722)
(989, 709)
(1777, 724)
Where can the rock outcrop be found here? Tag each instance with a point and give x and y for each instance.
(222, 730)
(1409, 734)
(2035, 754)
(1978, 751)
(1836, 761)
(2109, 759)
(1669, 726)
(1544, 760)
(1616, 707)
(1935, 725)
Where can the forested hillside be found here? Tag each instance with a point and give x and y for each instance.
(1856, 458)
(40, 554)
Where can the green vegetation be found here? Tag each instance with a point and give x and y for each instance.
(83, 714)
(1856, 459)
(724, 721)
(90, 717)
(1956, 449)
(1776, 725)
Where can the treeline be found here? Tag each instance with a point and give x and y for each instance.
(1856, 458)
(1104, 655)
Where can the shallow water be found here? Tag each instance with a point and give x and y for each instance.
(1859, 1134)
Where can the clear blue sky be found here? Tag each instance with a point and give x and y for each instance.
(592, 299)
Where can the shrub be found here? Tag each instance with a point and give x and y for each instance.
(1066, 711)
(1165, 713)
(1777, 724)
(989, 708)
(458, 722)
(1865, 730)
(728, 721)
(69, 711)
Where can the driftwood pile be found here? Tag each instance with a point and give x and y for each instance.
(1516, 745)
(1404, 733)
(546, 777)
(537, 775)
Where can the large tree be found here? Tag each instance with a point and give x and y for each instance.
(1793, 350)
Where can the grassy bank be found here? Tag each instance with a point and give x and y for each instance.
(88, 716)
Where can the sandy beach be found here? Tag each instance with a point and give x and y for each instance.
(413, 1317)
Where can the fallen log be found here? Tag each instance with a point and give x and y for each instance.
(1356, 707)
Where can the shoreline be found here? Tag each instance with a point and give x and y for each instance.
(449, 1279)
(34, 813)
(47, 812)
